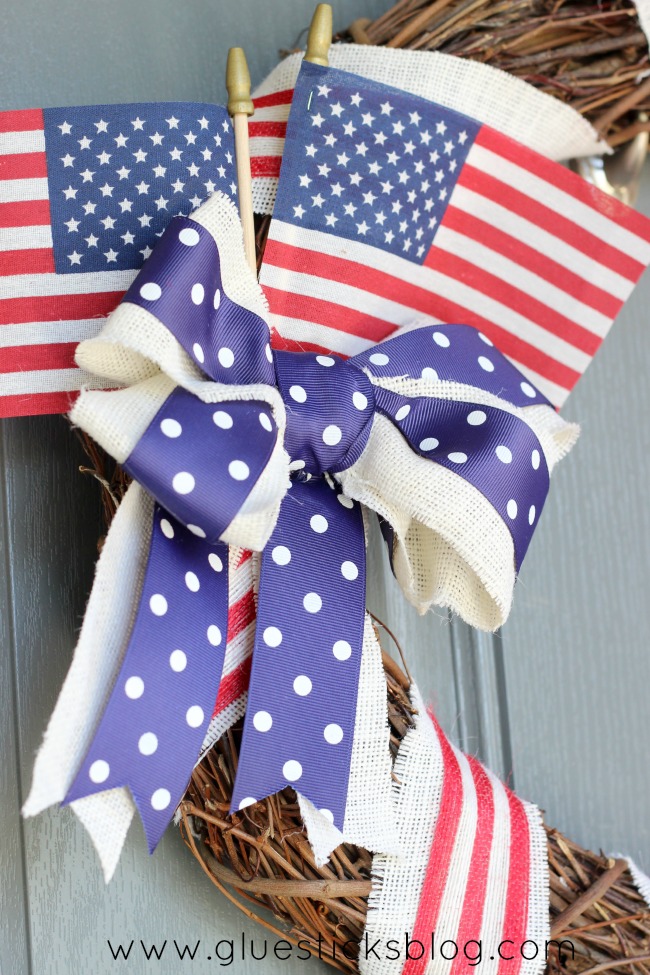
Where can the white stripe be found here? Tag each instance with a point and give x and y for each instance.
(496, 889)
(271, 113)
(46, 285)
(16, 142)
(48, 381)
(563, 203)
(307, 333)
(538, 927)
(24, 238)
(45, 333)
(22, 190)
(264, 145)
(525, 280)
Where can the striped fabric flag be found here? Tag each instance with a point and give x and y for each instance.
(391, 207)
(474, 874)
(84, 193)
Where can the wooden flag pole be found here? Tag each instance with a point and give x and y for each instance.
(320, 35)
(240, 106)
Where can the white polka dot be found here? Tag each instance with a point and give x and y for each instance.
(359, 401)
(166, 528)
(332, 435)
(214, 635)
(226, 357)
(312, 602)
(476, 418)
(161, 799)
(296, 465)
(302, 685)
(485, 339)
(531, 514)
(272, 636)
(298, 394)
(171, 428)
(441, 339)
(269, 354)
(341, 649)
(222, 419)
(215, 562)
(333, 734)
(158, 604)
(328, 814)
(177, 661)
(266, 422)
(486, 363)
(324, 360)
(198, 352)
(429, 443)
(430, 374)
(216, 301)
(147, 743)
(248, 801)
(196, 531)
(195, 716)
(292, 770)
(349, 570)
(536, 459)
(504, 453)
(379, 359)
(281, 555)
(528, 390)
(198, 293)
(150, 291)
(457, 457)
(238, 470)
(99, 771)
(189, 237)
(183, 482)
(134, 688)
(319, 523)
(345, 501)
(403, 412)
(262, 721)
(192, 581)
(511, 508)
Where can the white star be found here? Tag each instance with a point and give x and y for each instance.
(317, 120)
(392, 157)
(87, 176)
(128, 237)
(369, 198)
(228, 157)
(157, 138)
(420, 250)
(203, 122)
(380, 138)
(415, 216)
(298, 212)
(142, 187)
(336, 109)
(380, 218)
(443, 194)
(108, 222)
(101, 126)
(121, 140)
(125, 206)
(233, 188)
(196, 201)
(193, 170)
(140, 155)
(349, 128)
(425, 137)
(159, 170)
(225, 126)
(389, 236)
(403, 226)
(396, 206)
(106, 190)
(144, 221)
(84, 143)
(343, 159)
(419, 233)
(137, 124)
(110, 255)
(172, 122)
(415, 118)
(449, 148)
(66, 128)
(104, 159)
(178, 186)
(361, 148)
(217, 140)
(207, 154)
(176, 153)
(72, 225)
(424, 186)
(190, 138)
(330, 219)
(304, 180)
(462, 138)
(439, 176)
(429, 205)
(310, 150)
(123, 173)
(403, 177)
(92, 240)
(406, 245)
(387, 187)
(363, 228)
(398, 128)
(324, 170)
(74, 258)
(221, 171)
(337, 189)
(355, 179)
(411, 196)
(368, 119)
(349, 209)
(452, 165)
(330, 139)
(146, 252)
(89, 207)
(67, 160)
(386, 108)
(70, 193)
(419, 167)
(409, 147)
(356, 99)
(441, 128)
(317, 201)
(209, 187)
(374, 168)
(161, 202)
(433, 156)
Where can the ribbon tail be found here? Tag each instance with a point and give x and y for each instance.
(155, 720)
(300, 720)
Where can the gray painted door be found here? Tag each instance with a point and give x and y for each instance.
(556, 703)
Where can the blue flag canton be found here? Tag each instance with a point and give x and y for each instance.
(370, 163)
(117, 174)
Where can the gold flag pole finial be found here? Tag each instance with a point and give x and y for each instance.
(240, 106)
(320, 35)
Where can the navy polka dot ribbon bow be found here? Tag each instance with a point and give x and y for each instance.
(210, 462)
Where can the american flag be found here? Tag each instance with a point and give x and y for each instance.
(391, 207)
(84, 194)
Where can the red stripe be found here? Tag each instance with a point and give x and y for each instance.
(27, 358)
(275, 98)
(233, 686)
(265, 166)
(551, 221)
(519, 253)
(471, 919)
(241, 614)
(385, 286)
(516, 915)
(565, 180)
(21, 121)
(36, 404)
(25, 213)
(23, 165)
(323, 312)
(37, 260)
(54, 308)
(440, 855)
(244, 557)
(270, 130)
(519, 301)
